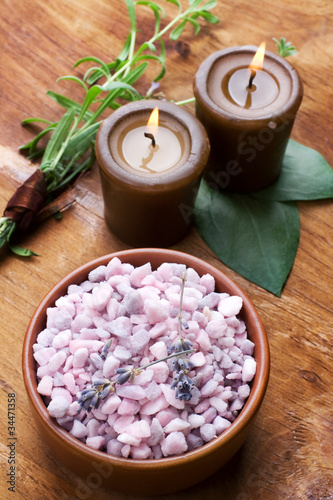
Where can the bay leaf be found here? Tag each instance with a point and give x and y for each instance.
(256, 238)
(305, 175)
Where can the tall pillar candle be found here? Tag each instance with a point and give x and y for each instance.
(150, 176)
(248, 115)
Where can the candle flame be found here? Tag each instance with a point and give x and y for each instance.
(258, 60)
(153, 121)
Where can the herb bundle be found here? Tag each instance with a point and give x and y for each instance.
(70, 149)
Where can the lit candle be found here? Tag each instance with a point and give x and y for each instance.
(150, 169)
(247, 103)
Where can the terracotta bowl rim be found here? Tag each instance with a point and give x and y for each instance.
(245, 417)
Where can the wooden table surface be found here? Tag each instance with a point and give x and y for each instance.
(288, 454)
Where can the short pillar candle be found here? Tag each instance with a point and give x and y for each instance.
(150, 176)
(248, 115)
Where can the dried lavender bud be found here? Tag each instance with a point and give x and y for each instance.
(183, 385)
(92, 396)
(182, 364)
(105, 349)
(125, 375)
(180, 345)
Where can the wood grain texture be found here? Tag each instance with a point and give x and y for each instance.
(288, 454)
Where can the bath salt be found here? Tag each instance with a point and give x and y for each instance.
(123, 318)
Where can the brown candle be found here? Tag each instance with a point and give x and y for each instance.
(248, 112)
(150, 173)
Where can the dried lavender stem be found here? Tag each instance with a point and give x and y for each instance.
(179, 316)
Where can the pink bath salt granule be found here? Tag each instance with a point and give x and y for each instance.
(140, 452)
(207, 432)
(126, 438)
(79, 430)
(156, 310)
(101, 294)
(69, 382)
(139, 273)
(43, 356)
(230, 306)
(177, 424)
(131, 392)
(92, 427)
(153, 407)
(58, 407)
(96, 442)
(45, 386)
(139, 429)
(128, 407)
(161, 372)
(174, 444)
(249, 370)
(111, 404)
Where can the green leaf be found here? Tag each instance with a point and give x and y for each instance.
(22, 252)
(210, 5)
(256, 238)
(209, 17)
(33, 144)
(67, 103)
(27, 121)
(175, 34)
(175, 2)
(103, 67)
(131, 13)
(58, 136)
(157, 10)
(195, 24)
(305, 175)
(136, 72)
(91, 95)
(121, 85)
(74, 79)
(284, 48)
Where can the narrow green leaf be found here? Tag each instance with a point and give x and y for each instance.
(98, 73)
(256, 238)
(74, 79)
(91, 95)
(157, 10)
(121, 85)
(131, 13)
(125, 50)
(58, 136)
(33, 144)
(22, 252)
(195, 3)
(67, 103)
(27, 121)
(210, 5)
(305, 175)
(103, 68)
(175, 2)
(175, 34)
(136, 72)
(194, 23)
(209, 17)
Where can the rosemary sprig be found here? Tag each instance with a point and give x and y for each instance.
(70, 149)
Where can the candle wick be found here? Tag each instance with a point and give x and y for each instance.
(252, 76)
(151, 137)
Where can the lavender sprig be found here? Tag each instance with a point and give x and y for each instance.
(182, 382)
(91, 397)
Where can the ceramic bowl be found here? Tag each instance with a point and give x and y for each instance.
(158, 476)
